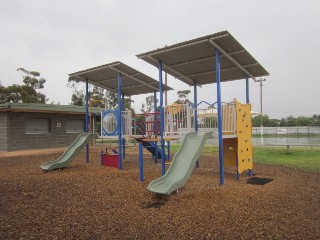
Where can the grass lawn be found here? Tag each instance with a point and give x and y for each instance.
(300, 157)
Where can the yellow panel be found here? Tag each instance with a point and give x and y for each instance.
(244, 134)
(175, 108)
(230, 151)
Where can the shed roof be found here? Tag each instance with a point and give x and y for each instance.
(194, 60)
(46, 108)
(106, 76)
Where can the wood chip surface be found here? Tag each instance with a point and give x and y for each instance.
(89, 201)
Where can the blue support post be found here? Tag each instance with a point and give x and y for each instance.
(248, 101)
(163, 167)
(221, 157)
(237, 163)
(196, 106)
(87, 118)
(141, 176)
(119, 122)
(247, 90)
(123, 140)
(195, 96)
(154, 125)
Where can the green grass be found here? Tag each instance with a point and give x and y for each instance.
(300, 157)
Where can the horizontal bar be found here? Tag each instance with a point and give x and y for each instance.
(134, 78)
(222, 70)
(180, 75)
(231, 59)
(204, 59)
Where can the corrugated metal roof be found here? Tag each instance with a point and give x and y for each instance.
(48, 108)
(106, 76)
(194, 60)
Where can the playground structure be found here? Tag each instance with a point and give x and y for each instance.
(214, 58)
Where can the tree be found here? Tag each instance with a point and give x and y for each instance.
(98, 94)
(77, 98)
(267, 122)
(303, 121)
(315, 120)
(183, 96)
(300, 121)
(26, 93)
(142, 109)
(150, 103)
(111, 99)
(291, 121)
(32, 78)
(127, 104)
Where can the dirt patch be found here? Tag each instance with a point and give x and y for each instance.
(87, 201)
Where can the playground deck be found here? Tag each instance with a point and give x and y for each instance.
(87, 201)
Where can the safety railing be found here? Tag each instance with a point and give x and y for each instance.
(152, 124)
(207, 119)
(177, 119)
(229, 118)
(126, 118)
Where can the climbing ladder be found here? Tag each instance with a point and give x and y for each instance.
(150, 129)
(152, 147)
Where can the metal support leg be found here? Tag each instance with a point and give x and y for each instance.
(87, 119)
(119, 120)
(221, 157)
(141, 176)
(163, 167)
(195, 98)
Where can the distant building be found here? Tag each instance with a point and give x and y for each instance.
(34, 126)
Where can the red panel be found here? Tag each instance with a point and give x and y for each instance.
(110, 160)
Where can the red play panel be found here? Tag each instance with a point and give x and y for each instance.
(110, 160)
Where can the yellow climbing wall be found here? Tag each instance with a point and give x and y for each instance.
(240, 146)
(244, 135)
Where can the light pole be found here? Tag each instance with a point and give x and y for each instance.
(261, 122)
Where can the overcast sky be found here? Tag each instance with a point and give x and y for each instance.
(58, 37)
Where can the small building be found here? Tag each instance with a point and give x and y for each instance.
(34, 126)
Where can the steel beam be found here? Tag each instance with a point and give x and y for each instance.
(231, 59)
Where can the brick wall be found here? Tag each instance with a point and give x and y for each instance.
(56, 137)
(3, 131)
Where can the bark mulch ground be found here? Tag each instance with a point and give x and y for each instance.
(87, 201)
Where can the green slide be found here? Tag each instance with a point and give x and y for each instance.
(182, 164)
(70, 152)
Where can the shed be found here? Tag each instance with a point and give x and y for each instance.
(30, 125)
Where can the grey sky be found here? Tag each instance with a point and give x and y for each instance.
(59, 37)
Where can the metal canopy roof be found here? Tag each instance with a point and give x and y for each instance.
(194, 60)
(106, 76)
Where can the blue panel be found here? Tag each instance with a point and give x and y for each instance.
(109, 117)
